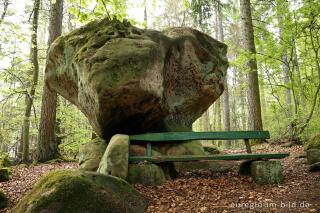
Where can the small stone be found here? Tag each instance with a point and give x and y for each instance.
(266, 172)
(115, 159)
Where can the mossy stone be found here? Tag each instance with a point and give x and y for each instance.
(22, 166)
(4, 174)
(313, 156)
(313, 143)
(266, 172)
(67, 191)
(116, 157)
(314, 167)
(3, 200)
(5, 161)
(146, 174)
(131, 81)
(90, 154)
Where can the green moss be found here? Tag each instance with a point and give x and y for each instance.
(74, 191)
(266, 172)
(3, 200)
(4, 174)
(146, 174)
(313, 143)
(21, 166)
(5, 161)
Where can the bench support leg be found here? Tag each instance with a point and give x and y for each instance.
(246, 141)
(149, 151)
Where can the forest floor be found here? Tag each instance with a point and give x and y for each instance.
(209, 191)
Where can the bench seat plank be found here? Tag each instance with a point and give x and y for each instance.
(241, 156)
(182, 136)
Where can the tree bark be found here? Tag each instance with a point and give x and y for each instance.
(5, 9)
(35, 67)
(254, 111)
(47, 144)
(226, 92)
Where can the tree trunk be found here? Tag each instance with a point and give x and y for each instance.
(5, 9)
(47, 146)
(35, 67)
(145, 14)
(254, 115)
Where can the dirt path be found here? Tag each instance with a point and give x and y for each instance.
(208, 191)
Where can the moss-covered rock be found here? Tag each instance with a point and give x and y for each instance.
(90, 154)
(67, 191)
(313, 143)
(129, 80)
(115, 159)
(266, 172)
(4, 174)
(211, 149)
(313, 156)
(314, 167)
(146, 174)
(22, 166)
(3, 200)
(5, 161)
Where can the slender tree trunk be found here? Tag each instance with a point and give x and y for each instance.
(145, 14)
(285, 70)
(5, 9)
(47, 146)
(35, 67)
(255, 120)
(296, 65)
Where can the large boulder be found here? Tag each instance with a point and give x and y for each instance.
(90, 154)
(128, 80)
(77, 191)
(115, 159)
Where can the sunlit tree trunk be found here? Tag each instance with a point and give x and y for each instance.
(47, 144)
(254, 110)
(35, 67)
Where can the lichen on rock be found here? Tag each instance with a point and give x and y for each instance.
(128, 80)
(76, 191)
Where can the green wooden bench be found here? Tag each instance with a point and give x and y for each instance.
(175, 137)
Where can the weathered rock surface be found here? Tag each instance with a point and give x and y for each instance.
(75, 191)
(90, 154)
(313, 143)
(128, 80)
(146, 174)
(313, 156)
(314, 167)
(115, 159)
(267, 172)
